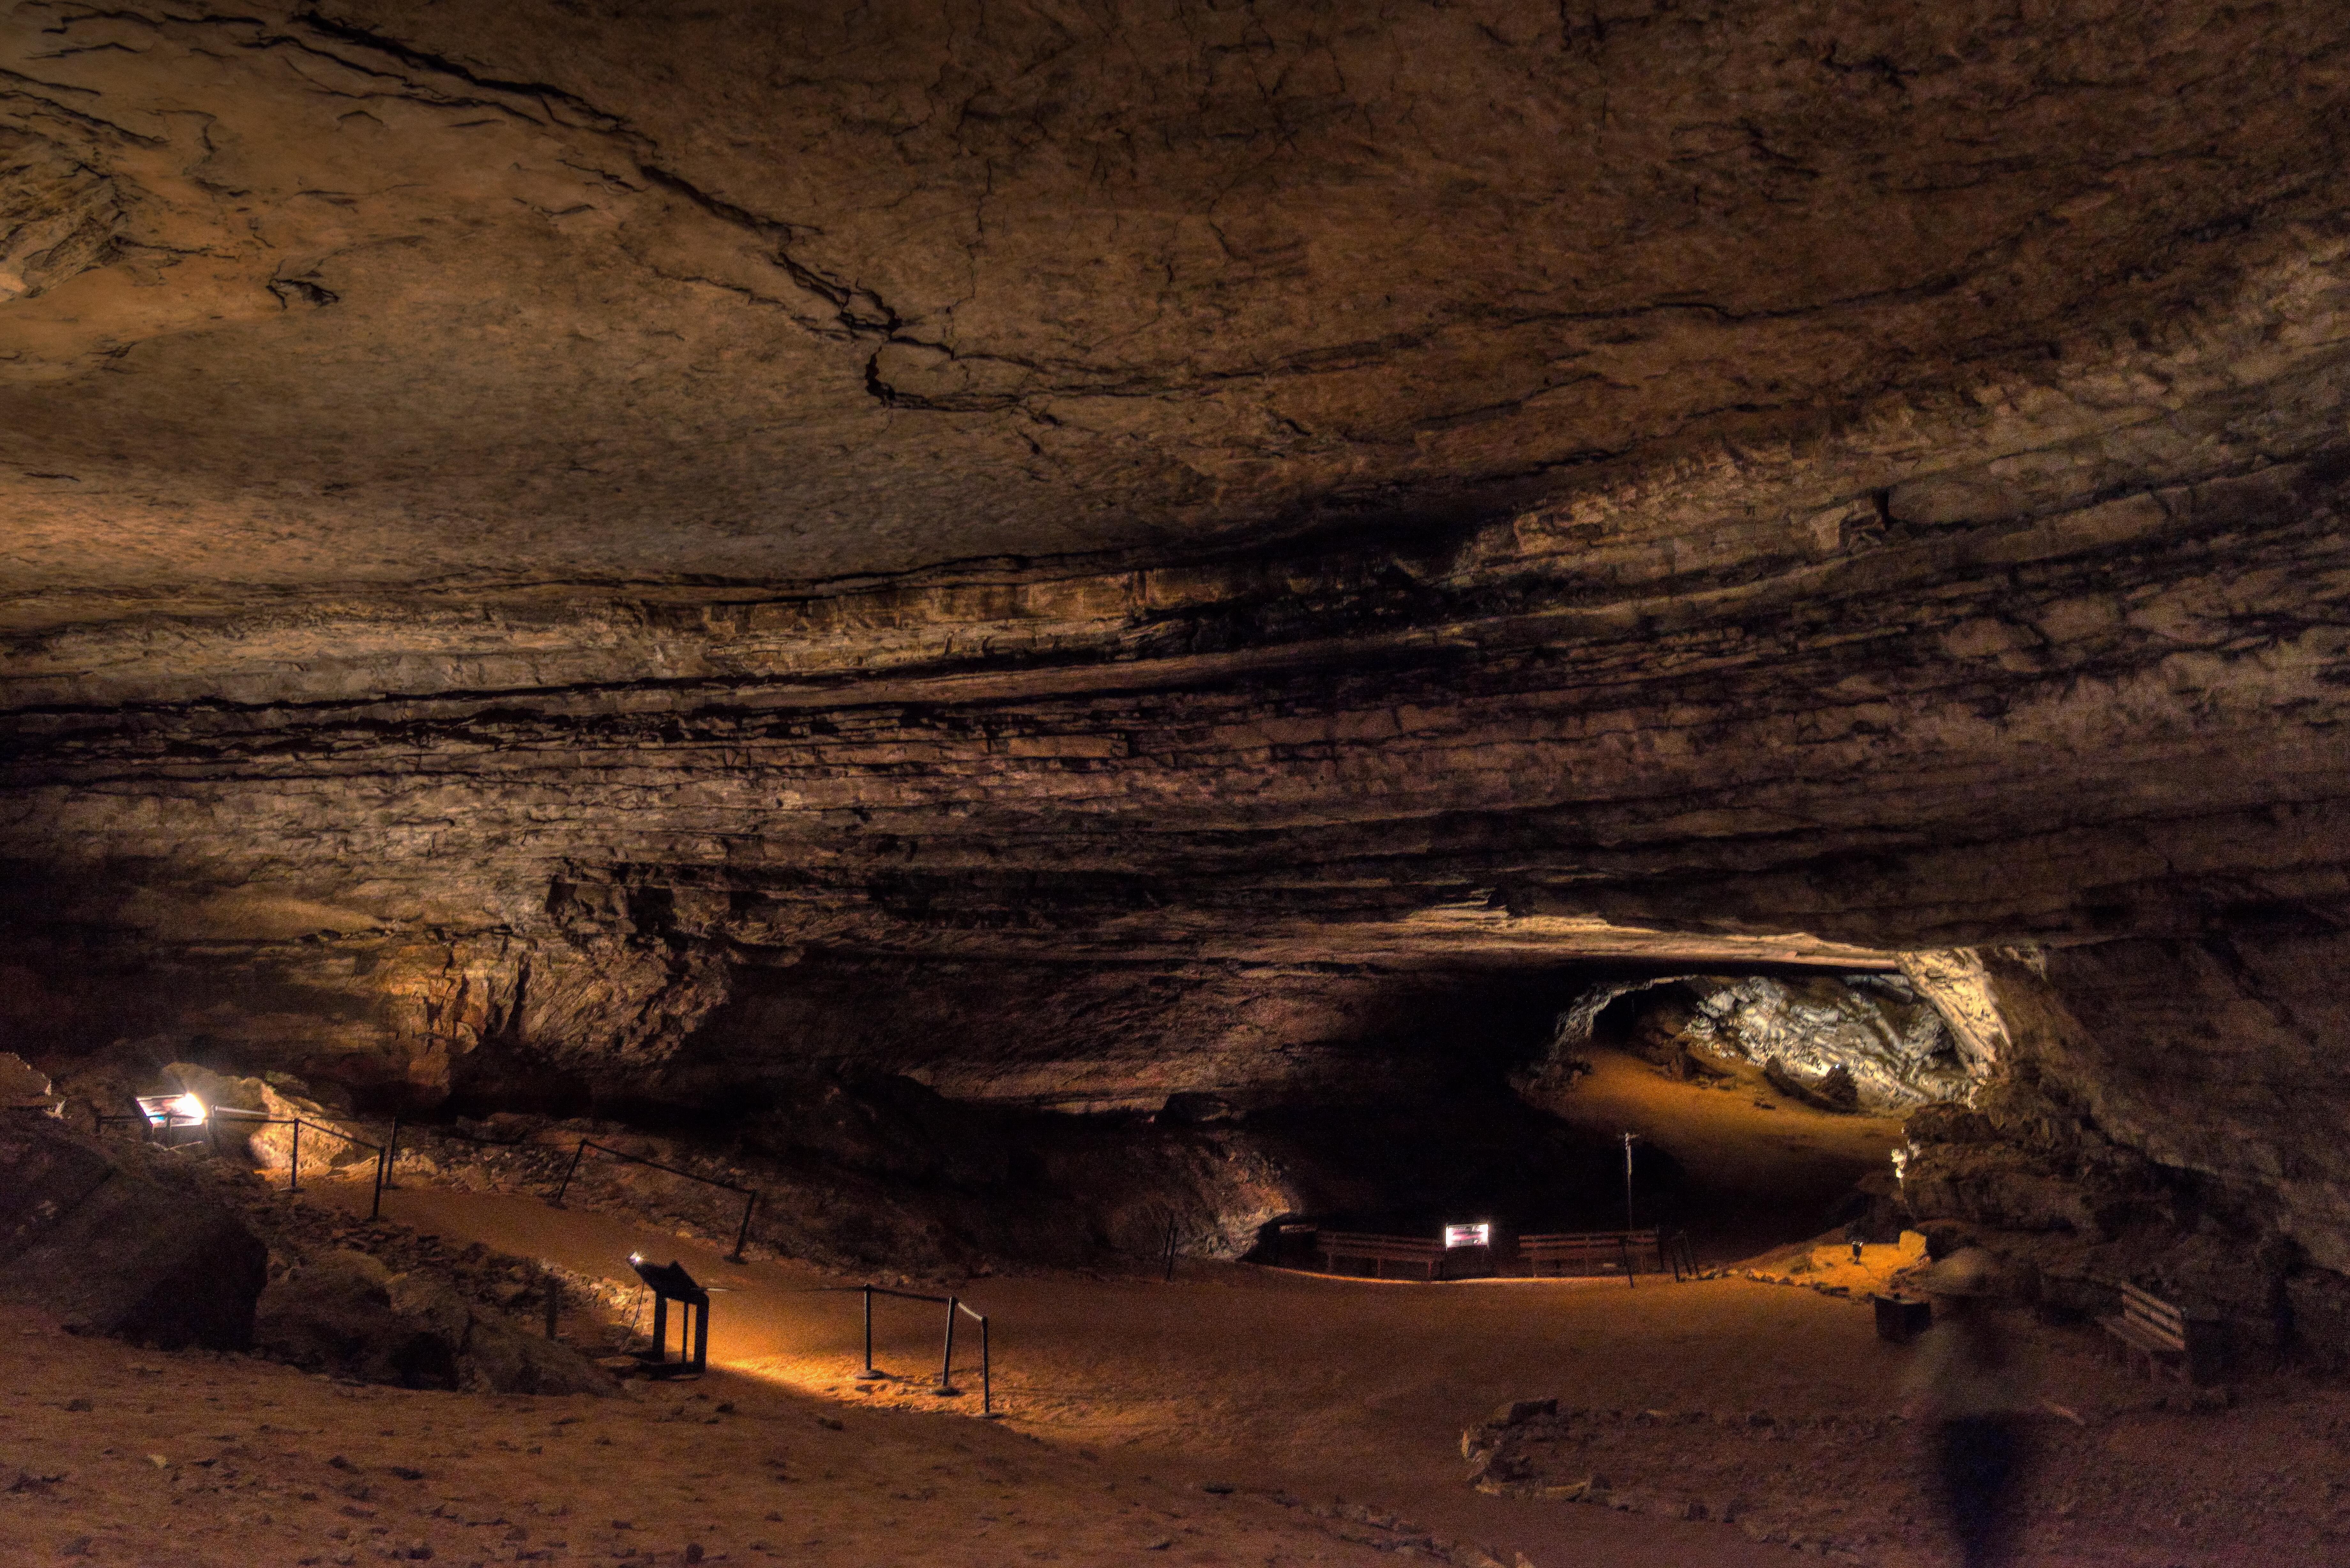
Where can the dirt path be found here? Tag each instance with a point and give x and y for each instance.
(119, 1457)
(1317, 1386)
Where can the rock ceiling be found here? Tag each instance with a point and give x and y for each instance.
(494, 295)
(644, 489)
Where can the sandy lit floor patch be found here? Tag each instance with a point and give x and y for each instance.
(113, 1455)
(1752, 1155)
(1331, 1388)
(1236, 1415)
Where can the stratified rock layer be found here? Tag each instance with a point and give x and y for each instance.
(1092, 558)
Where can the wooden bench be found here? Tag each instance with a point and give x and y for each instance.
(1590, 1251)
(2150, 1333)
(1378, 1251)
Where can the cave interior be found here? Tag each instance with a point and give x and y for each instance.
(1071, 632)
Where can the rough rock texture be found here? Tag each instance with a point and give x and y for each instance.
(109, 1250)
(328, 1144)
(1874, 1037)
(1096, 554)
(22, 1088)
(344, 1311)
(2171, 1143)
(751, 292)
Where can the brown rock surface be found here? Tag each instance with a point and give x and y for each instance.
(343, 1312)
(1092, 555)
(106, 1250)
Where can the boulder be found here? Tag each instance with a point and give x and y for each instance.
(329, 1143)
(344, 1313)
(1990, 1184)
(111, 1251)
(25, 1088)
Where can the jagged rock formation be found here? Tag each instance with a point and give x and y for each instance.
(344, 1313)
(1088, 557)
(110, 1248)
(1884, 1044)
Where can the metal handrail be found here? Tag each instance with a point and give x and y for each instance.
(213, 1115)
(749, 1195)
(953, 1304)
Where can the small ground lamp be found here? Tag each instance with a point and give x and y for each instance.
(167, 1113)
(671, 1283)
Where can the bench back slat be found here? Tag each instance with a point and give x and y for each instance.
(1581, 1241)
(2157, 1317)
(1342, 1243)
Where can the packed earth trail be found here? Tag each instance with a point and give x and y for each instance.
(1338, 1393)
(1354, 1393)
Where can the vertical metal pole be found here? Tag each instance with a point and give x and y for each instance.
(293, 1171)
(1628, 1181)
(375, 1205)
(1170, 1278)
(869, 1331)
(742, 1235)
(564, 1185)
(392, 1151)
(946, 1364)
(701, 1338)
(986, 1369)
(1626, 1247)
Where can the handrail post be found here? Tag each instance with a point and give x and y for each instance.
(294, 1167)
(868, 1375)
(391, 1150)
(564, 1185)
(946, 1364)
(375, 1205)
(742, 1235)
(986, 1384)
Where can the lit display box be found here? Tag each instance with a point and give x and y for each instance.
(1469, 1235)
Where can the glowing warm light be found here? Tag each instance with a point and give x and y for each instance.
(1469, 1235)
(1900, 1164)
(183, 1111)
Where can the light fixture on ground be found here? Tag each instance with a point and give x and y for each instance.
(169, 1114)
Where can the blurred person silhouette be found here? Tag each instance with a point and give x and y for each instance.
(1967, 1386)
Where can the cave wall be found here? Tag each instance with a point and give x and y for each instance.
(567, 551)
(2158, 1112)
(2223, 1056)
(1216, 1039)
(2115, 719)
(1869, 1040)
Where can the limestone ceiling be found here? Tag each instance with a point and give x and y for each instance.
(508, 293)
(1231, 482)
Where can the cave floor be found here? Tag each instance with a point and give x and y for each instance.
(1328, 1389)
(1753, 1159)
(110, 1454)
